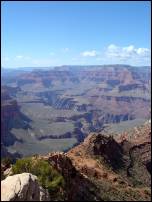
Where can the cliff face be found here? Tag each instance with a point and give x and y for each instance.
(11, 117)
(78, 187)
(9, 112)
(104, 168)
(107, 88)
(129, 154)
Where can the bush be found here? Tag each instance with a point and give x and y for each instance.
(48, 177)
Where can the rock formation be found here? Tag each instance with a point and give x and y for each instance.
(106, 167)
(22, 187)
(102, 168)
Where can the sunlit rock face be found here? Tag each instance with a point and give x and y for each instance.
(22, 187)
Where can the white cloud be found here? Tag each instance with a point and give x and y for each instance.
(129, 49)
(112, 47)
(19, 56)
(128, 54)
(143, 51)
(91, 53)
(111, 54)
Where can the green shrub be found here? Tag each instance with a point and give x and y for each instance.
(22, 165)
(48, 177)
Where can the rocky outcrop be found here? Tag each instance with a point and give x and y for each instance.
(9, 112)
(139, 169)
(128, 155)
(108, 148)
(11, 116)
(78, 186)
(104, 161)
(22, 187)
(137, 146)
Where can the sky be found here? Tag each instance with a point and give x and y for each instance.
(41, 33)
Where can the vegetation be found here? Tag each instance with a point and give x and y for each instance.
(48, 177)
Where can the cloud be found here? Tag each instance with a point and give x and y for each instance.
(143, 52)
(111, 54)
(91, 53)
(19, 56)
(126, 52)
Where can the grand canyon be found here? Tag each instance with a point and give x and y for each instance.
(54, 109)
(76, 101)
(101, 168)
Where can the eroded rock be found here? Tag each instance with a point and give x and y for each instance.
(22, 187)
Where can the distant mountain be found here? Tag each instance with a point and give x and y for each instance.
(96, 67)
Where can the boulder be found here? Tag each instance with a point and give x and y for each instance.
(22, 187)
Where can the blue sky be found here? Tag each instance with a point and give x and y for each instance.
(61, 33)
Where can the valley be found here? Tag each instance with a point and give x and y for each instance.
(54, 110)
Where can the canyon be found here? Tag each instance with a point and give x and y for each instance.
(102, 168)
(55, 109)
